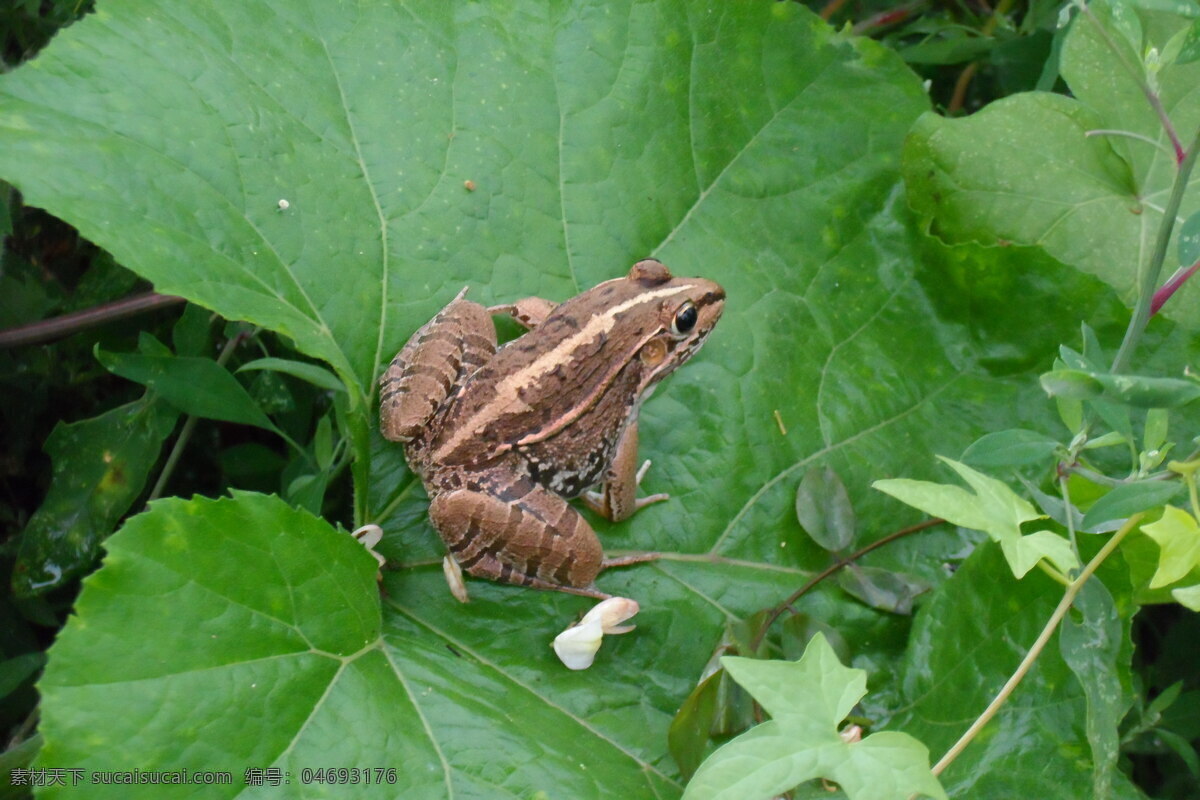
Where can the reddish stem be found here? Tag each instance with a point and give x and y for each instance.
(1171, 286)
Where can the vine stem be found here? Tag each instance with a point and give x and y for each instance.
(57, 327)
(185, 433)
(841, 563)
(1149, 278)
(1038, 646)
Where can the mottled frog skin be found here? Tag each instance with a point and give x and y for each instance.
(502, 437)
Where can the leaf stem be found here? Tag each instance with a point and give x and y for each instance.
(1136, 74)
(1039, 644)
(836, 566)
(189, 424)
(1149, 278)
(1066, 496)
(1132, 135)
(57, 327)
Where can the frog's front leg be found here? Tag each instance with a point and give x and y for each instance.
(529, 312)
(521, 534)
(618, 499)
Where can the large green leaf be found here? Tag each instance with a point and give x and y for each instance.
(1026, 170)
(966, 641)
(745, 142)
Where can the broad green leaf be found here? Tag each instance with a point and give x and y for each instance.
(317, 376)
(1091, 648)
(100, 467)
(1178, 538)
(1128, 499)
(991, 507)
(1012, 448)
(807, 701)
(967, 639)
(197, 386)
(824, 509)
(1134, 390)
(273, 633)
(1032, 169)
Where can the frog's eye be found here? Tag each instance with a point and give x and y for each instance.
(685, 319)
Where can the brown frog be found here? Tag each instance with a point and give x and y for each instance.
(502, 437)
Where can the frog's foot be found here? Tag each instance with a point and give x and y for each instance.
(627, 560)
(606, 505)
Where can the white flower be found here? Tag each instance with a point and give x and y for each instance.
(369, 536)
(577, 645)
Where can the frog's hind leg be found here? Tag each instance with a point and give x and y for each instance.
(521, 534)
(452, 345)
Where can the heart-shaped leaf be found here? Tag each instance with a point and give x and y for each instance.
(1086, 178)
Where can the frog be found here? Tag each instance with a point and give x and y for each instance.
(503, 436)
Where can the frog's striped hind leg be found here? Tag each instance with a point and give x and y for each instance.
(452, 345)
(521, 534)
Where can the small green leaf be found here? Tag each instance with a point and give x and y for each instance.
(18, 669)
(317, 376)
(1070, 411)
(1130, 498)
(807, 700)
(197, 386)
(824, 509)
(100, 467)
(1190, 51)
(192, 331)
(1071, 383)
(1011, 448)
(1110, 439)
(323, 442)
(1188, 596)
(1091, 647)
(1178, 538)
(881, 588)
(993, 508)
(1134, 390)
(688, 735)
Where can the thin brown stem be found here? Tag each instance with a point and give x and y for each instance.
(57, 327)
(833, 568)
(959, 98)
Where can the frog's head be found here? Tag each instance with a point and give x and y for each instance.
(673, 320)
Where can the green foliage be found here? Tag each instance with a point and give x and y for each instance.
(991, 507)
(100, 467)
(807, 701)
(1085, 178)
(334, 172)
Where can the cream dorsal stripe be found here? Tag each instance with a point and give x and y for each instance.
(598, 325)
